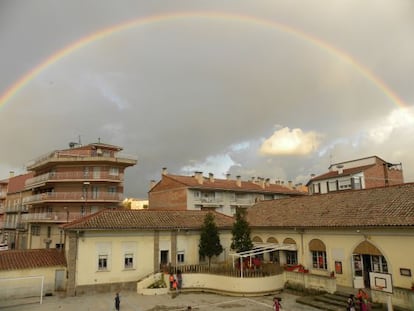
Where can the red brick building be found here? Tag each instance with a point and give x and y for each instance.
(70, 183)
(362, 173)
(176, 192)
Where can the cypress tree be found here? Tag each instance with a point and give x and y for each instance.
(209, 239)
(241, 240)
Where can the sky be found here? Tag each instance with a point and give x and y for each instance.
(272, 89)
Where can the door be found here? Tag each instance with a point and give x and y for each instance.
(96, 172)
(60, 280)
(357, 268)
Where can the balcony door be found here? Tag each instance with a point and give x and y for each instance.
(96, 172)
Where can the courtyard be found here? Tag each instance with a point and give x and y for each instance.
(130, 301)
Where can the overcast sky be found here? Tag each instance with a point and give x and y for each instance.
(281, 92)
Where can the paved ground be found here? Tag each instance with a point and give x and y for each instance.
(130, 301)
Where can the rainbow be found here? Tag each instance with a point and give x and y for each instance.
(101, 34)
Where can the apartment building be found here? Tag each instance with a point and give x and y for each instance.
(364, 173)
(15, 229)
(176, 192)
(3, 194)
(69, 184)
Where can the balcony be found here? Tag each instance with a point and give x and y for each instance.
(53, 217)
(81, 156)
(16, 209)
(72, 197)
(242, 202)
(70, 176)
(14, 225)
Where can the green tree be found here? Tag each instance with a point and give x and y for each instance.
(209, 239)
(241, 241)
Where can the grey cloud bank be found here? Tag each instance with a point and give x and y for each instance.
(183, 93)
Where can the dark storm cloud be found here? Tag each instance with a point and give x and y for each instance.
(205, 94)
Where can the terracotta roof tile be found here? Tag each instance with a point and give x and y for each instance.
(385, 206)
(224, 184)
(124, 219)
(31, 258)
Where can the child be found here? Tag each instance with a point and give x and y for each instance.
(276, 304)
(350, 303)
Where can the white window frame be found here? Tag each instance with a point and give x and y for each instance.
(114, 171)
(103, 258)
(315, 260)
(181, 257)
(129, 257)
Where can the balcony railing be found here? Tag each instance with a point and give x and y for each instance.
(16, 209)
(242, 201)
(14, 225)
(72, 197)
(53, 217)
(84, 155)
(65, 176)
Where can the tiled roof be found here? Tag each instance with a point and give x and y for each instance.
(376, 207)
(31, 258)
(16, 183)
(346, 172)
(124, 219)
(229, 184)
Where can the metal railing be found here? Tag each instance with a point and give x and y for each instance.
(61, 176)
(73, 197)
(266, 269)
(16, 209)
(60, 217)
(81, 155)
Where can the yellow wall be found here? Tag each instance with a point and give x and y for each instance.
(396, 246)
(28, 287)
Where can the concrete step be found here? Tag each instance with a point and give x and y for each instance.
(318, 304)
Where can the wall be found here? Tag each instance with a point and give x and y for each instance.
(170, 199)
(30, 287)
(340, 245)
(87, 262)
(233, 285)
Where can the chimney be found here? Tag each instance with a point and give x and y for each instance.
(238, 181)
(267, 182)
(211, 177)
(252, 179)
(11, 174)
(228, 176)
(152, 184)
(164, 171)
(290, 184)
(199, 177)
(261, 182)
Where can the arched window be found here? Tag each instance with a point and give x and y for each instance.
(291, 256)
(257, 239)
(318, 250)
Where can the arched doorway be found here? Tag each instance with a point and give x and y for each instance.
(367, 258)
(273, 256)
(287, 256)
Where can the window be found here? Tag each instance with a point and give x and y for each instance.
(291, 258)
(197, 195)
(114, 171)
(111, 189)
(180, 257)
(319, 260)
(35, 230)
(103, 262)
(129, 261)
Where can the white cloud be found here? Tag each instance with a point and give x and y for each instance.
(290, 142)
(218, 164)
(396, 120)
